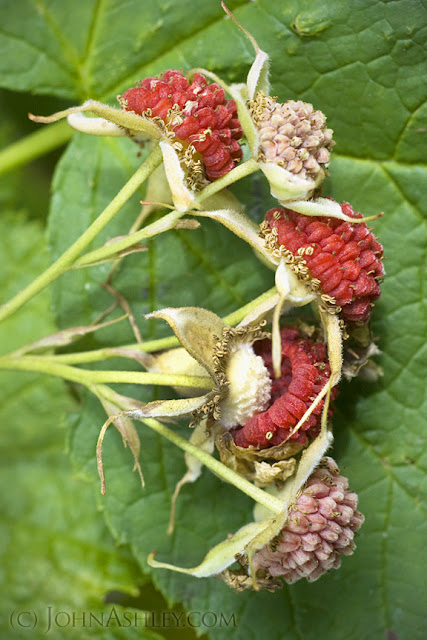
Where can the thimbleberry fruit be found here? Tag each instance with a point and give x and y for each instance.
(197, 114)
(304, 373)
(319, 531)
(293, 135)
(340, 260)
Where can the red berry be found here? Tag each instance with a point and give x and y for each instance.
(345, 258)
(197, 113)
(305, 371)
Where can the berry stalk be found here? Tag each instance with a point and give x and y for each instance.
(68, 258)
(43, 364)
(218, 468)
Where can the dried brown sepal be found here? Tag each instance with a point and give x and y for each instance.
(261, 466)
(239, 581)
(359, 347)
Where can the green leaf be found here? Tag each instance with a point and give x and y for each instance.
(55, 48)
(58, 558)
(361, 63)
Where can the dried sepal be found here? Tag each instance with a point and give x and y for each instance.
(257, 79)
(124, 424)
(263, 470)
(204, 440)
(360, 346)
(238, 580)
(64, 337)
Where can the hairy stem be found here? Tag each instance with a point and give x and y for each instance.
(68, 258)
(217, 467)
(43, 364)
(164, 224)
(232, 176)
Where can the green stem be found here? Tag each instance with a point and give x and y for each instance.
(104, 354)
(232, 176)
(164, 224)
(67, 259)
(43, 364)
(155, 345)
(217, 467)
(237, 316)
(168, 221)
(34, 145)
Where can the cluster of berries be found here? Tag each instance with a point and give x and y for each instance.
(337, 260)
(270, 398)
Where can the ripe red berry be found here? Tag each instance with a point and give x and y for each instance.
(343, 259)
(196, 113)
(305, 371)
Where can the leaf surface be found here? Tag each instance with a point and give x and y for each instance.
(58, 558)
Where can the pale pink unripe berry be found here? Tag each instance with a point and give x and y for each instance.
(293, 135)
(319, 531)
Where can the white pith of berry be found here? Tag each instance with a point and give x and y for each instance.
(249, 388)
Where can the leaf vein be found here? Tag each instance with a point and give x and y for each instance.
(138, 69)
(387, 469)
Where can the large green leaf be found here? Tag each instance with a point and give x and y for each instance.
(61, 48)
(58, 558)
(361, 62)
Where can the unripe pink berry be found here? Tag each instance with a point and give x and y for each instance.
(320, 529)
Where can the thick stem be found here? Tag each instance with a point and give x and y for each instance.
(67, 259)
(49, 366)
(34, 145)
(217, 467)
(239, 172)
